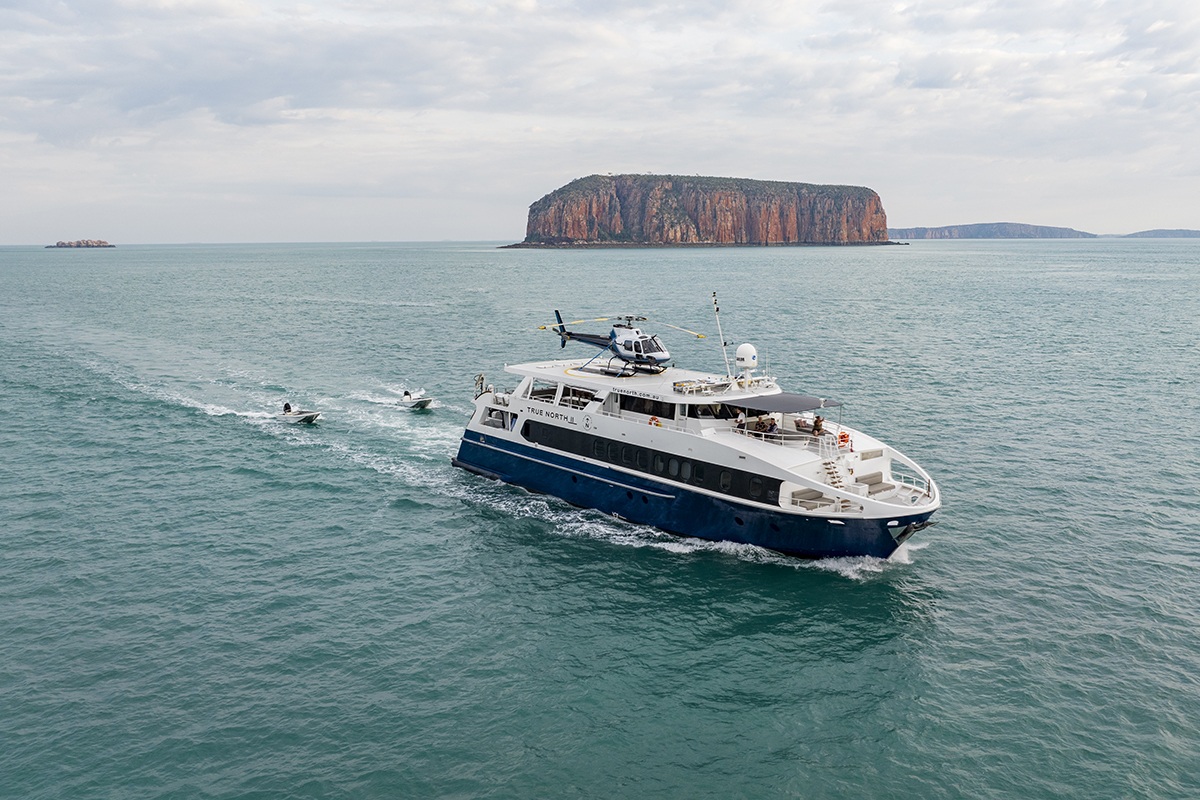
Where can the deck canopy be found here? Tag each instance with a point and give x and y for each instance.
(785, 403)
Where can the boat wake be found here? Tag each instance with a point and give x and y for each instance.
(422, 460)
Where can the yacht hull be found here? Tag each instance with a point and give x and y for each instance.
(677, 509)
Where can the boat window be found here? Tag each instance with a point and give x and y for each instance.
(543, 390)
(736, 483)
(647, 406)
(712, 411)
(576, 396)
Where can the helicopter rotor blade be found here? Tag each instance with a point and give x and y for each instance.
(575, 322)
(685, 330)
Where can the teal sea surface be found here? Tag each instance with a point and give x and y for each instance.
(199, 601)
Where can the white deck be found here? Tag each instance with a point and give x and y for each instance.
(660, 386)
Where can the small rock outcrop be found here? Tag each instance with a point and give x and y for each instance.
(82, 243)
(683, 210)
(990, 230)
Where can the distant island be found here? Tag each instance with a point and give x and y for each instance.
(687, 210)
(1019, 230)
(990, 230)
(1164, 233)
(81, 243)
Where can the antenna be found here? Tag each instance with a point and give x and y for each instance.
(717, 312)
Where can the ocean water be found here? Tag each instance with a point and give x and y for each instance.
(198, 601)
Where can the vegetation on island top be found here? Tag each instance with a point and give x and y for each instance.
(590, 185)
(81, 243)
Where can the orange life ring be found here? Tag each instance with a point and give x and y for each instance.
(654, 421)
(843, 439)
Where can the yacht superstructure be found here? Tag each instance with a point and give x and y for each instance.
(716, 457)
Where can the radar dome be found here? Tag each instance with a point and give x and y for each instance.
(747, 357)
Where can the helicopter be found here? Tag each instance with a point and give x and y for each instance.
(627, 343)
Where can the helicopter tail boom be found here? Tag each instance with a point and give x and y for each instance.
(597, 340)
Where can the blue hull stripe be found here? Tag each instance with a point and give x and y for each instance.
(685, 512)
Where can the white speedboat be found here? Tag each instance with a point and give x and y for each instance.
(296, 416)
(414, 400)
(720, 457)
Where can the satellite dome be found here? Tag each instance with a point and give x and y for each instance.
(747, 357)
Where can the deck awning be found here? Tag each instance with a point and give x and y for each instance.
(785, 403)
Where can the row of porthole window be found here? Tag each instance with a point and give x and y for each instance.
(679, 469)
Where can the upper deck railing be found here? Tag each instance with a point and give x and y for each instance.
(666, 424)
(827, 445)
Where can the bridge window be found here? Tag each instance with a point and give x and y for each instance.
(543, 390)
(647, 406)
(726, 482)
(756, 486)
(673, 467)
(712, 411)
(685, 470)
(576, 397)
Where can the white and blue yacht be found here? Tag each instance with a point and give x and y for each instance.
(726, 458)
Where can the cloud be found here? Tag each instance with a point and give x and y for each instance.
(213, 98)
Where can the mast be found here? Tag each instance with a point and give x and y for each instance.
(724, 354)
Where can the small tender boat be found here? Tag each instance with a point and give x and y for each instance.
(414, 400)
(296, 415)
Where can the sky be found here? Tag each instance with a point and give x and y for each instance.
(146, 121)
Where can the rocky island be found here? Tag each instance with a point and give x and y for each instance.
(81, 243)
(676, 210)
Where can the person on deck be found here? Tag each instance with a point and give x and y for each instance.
(818, 426)
(287, 408)
(741, 422)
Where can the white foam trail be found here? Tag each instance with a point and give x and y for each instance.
(426, 465)
(903, 554)
(570, 521)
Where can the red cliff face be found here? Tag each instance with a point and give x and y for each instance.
(668, 209)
